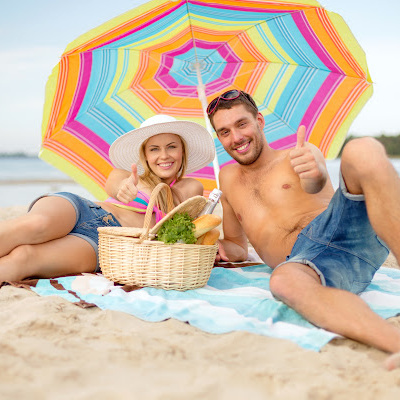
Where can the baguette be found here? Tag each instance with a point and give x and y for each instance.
(205, 223)
(209, 238)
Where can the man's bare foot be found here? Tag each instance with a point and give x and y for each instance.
(392, 362)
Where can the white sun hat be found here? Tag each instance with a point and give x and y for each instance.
(200, 145)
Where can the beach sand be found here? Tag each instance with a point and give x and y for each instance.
(52, 349)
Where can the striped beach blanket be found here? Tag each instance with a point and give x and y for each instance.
(235, 299)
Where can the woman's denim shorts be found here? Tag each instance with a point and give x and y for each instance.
(340, 244)
(89, 217)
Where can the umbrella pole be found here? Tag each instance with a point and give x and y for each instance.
(201, 93)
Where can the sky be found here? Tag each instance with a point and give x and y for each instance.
(34, 34)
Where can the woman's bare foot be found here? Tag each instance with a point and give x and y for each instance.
(392, 362)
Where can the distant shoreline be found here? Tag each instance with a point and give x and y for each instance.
(18, 155)
(9, 182)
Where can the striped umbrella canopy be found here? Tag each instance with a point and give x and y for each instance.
(300, 62)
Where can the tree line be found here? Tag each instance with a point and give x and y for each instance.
(391, 144)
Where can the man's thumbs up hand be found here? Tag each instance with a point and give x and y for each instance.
(302, 158)
(301, 137)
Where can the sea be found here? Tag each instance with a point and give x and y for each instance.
(22, 179)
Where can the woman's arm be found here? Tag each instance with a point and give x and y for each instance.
(122, 184)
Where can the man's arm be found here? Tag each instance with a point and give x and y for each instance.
(309, 164)
(233, 247)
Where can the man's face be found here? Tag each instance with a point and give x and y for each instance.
(240, 133)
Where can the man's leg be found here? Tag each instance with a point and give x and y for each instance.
(367, 170)
(336, 310)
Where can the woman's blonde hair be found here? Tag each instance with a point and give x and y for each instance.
(150, 179)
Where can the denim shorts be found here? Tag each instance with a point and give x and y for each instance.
(89, 217)
(340, 244)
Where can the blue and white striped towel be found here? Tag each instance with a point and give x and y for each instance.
(235, 299)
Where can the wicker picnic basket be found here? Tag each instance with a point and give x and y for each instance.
(127, 255)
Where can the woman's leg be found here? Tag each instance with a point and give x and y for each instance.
(50, 218)
(65, 256)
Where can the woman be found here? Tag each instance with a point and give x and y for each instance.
(58, 236)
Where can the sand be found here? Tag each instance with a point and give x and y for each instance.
(52, 349)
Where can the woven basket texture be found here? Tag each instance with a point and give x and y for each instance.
(127, 256)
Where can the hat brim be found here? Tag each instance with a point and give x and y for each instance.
(200, 145)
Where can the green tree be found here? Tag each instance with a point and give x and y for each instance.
(391, 144)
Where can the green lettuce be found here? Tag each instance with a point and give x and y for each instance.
(178, 228)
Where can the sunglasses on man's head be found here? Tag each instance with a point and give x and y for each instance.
(229, 95)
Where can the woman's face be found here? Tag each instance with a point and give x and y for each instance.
(164, 153)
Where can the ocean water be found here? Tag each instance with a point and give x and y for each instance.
(22, 179)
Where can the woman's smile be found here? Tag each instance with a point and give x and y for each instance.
(166, 165)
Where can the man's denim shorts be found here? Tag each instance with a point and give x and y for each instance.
(89, 217)
(340, 244)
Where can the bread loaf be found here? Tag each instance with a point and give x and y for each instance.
(209, 238)
(205, 223)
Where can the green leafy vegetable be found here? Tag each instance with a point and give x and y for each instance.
(178, 228)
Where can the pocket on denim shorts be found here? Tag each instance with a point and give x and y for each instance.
(109, 220)
(358, 287)
(102, 220)
(89, 228)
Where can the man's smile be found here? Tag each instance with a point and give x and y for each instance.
(243, 148)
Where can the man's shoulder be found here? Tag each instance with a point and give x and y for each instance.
(229, 170)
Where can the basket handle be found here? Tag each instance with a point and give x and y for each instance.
(150, 207)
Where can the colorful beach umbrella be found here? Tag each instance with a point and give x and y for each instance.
(300, 62)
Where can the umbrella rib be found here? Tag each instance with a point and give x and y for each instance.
(255, 26)
(191, 31)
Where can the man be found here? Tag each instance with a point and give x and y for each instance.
(323, 246)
